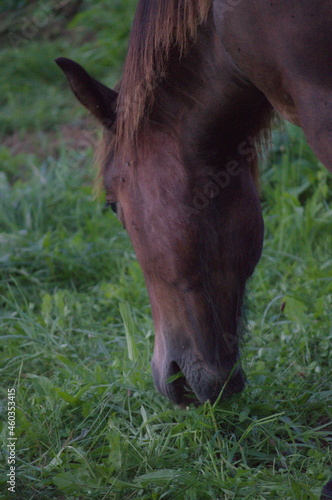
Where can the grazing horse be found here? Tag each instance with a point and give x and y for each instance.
(182, 133)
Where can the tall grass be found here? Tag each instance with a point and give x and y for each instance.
(76, 330)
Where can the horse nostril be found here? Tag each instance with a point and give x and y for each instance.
(174, 383)
(171, 382)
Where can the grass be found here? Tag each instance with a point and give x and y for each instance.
(76, 330)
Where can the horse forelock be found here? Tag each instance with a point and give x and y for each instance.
(158, 26)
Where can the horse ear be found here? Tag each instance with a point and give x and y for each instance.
(96, 97)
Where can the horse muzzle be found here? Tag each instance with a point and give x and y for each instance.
(188, 381)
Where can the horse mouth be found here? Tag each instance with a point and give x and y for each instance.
(194, 387)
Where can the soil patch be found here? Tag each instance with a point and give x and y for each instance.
(78, 136)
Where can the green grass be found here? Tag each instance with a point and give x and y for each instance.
(76, 334)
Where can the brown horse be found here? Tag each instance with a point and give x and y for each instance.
(200, 86)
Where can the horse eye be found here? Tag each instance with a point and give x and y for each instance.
(112, 205)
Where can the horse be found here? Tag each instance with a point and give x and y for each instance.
(182, 133)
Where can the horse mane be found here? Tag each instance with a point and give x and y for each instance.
(158, 26)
